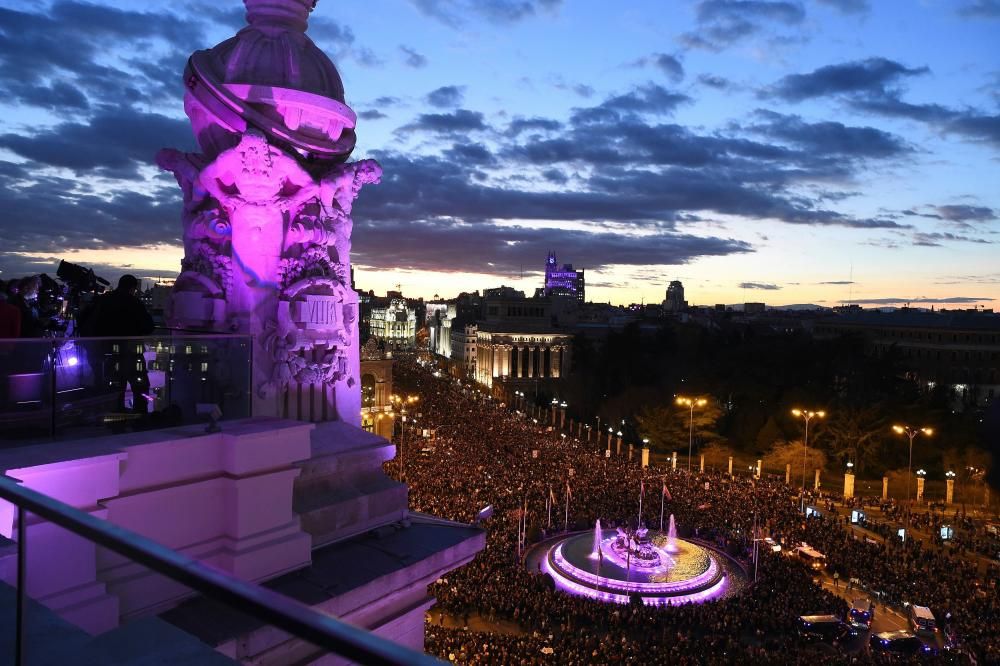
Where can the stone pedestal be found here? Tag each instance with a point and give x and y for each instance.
(816, 485)
(673, 460)
(950, 491)
(631, 449)
(645, 457)
(730, 465)
(885, 487)
(701, 464)
(920, 488)
(848, 485)
(756, 470)
(788, 474)
(618, 448)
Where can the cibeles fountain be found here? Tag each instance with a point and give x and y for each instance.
(658, 568)
(267, 212)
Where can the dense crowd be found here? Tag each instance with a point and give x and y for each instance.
(479, 453)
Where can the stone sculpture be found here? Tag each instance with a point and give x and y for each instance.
(268, 211)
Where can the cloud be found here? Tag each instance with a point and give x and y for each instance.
(831, 137)
(115, 142)
(670, 65)
(920, 301)
(713, 81)
(446, 246)
(935, 239)
(960, 214)
(758, 285)
(412, 58)
(870, 76)
(372, 114)
(848, 6)
(981, 9)
(454, 13)
(446, 97)
(722, 23)
(838, 282)
(458, 121)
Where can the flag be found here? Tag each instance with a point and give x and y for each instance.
(666, 493)
(552, 495)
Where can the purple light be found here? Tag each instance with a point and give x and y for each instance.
(708, 585)
(72, 361)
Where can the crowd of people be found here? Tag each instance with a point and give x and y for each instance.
(478, 453)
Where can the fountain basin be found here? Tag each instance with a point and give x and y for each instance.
(694, 573)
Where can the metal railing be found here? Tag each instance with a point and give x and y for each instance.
(323, 631)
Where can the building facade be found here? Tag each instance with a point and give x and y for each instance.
(674, 301)
(958, 349)
(518, 342)
(463, 349)
(563, 280)
(394, 324)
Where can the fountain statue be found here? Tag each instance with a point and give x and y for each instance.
(267, 212)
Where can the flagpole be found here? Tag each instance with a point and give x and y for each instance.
(524, 531)
(551, 495)
(642, 490)
(662, 495)
(566, 524)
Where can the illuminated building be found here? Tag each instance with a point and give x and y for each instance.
(394, 324)
(563, 280)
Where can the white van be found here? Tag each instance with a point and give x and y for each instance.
(922, 620)
(810, 556)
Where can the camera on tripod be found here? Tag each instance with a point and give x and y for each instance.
(80, 279)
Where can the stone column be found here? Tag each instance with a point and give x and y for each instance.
(788, 474)
(757, 469)
(885, 487)
(609, 440)
(730, 466)
(618, 449)
(816, 484)
(950, 491)
(645, 456)
(920, 488)
(673, 461)
(631, 449)
(701, 465)
(848, 485)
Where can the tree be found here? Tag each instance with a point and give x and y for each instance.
(856, 434)
(790, 453)
(667, 427)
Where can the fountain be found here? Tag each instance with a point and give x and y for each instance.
(596, 553)
(672, 537)
(619, 564)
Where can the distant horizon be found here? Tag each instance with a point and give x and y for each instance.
(795, 152)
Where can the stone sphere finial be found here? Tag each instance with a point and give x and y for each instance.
(292, 14)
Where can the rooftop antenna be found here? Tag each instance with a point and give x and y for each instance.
(850, 286)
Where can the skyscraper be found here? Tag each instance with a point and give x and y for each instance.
(563, 281)
(674, 301)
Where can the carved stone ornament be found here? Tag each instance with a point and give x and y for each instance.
(268, 203)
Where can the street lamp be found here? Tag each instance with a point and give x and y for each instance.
(692, 403)
(910, 433)
(806, 415)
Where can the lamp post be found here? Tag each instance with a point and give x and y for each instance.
(911, 433)
(691, 403)
(921, 475)
(806, 415)
(950, 485)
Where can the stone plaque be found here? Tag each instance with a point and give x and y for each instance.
(318, 312)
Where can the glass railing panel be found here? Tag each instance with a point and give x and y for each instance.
(69, 388)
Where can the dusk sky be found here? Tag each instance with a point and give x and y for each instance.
(757, 151)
